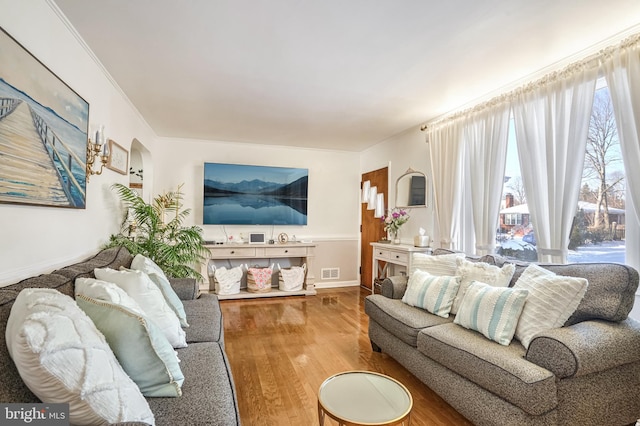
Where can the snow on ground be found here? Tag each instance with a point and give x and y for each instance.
(608, 251)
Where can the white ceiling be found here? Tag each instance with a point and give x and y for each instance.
(335, 74)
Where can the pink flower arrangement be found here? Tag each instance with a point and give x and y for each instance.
(395, 219)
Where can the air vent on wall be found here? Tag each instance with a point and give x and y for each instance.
(330, 273)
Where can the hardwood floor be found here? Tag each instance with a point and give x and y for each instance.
(282, 349)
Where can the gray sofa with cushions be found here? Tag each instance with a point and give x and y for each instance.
(585, 373)
(208, 393)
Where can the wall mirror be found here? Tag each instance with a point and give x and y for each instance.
(411, 190)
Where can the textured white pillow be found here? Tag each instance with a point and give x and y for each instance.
(143, 290)
(444, 264)
(483, 272)
(138, 344)
(493, 311)
(430, 292)
(157, 275)
(63, 358)
(552, 300)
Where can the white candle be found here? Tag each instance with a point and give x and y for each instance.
(100, 135)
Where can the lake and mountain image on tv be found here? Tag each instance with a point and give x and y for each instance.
(236, 194)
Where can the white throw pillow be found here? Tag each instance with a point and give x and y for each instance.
(157, 275)
(141, 348)
(493, 311)
(430, 292)
(143, 290)
(552, 300)
(483, 272)
(63, 358)
(444, 264)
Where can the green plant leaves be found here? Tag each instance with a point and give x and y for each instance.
(160, 233)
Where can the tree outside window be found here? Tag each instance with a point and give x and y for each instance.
(602, 196)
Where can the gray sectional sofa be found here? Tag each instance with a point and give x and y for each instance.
(585, 373)
(208, 393)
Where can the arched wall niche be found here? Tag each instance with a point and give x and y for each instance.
(141, 169)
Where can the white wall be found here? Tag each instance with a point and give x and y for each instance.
(333, 182)
(333, 209)
(36, 240)
(400, 152)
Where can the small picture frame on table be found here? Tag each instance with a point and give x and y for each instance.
(118, 158)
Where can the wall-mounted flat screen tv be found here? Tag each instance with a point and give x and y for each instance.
(236, 194)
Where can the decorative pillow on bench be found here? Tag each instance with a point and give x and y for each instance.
(432, 293)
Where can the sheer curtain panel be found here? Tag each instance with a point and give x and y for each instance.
(445, 149)
(485, 136)
(552, 123)
(622, 72)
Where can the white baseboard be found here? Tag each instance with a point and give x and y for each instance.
(335, 284)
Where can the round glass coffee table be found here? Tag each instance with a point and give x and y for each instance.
(364, 398)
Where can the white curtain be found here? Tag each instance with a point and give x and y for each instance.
(622, 71)
(552, 124)
(486, 135)
(445, 150)
(465, 238)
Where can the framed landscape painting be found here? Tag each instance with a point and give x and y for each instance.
(245, 194)
(43, 133)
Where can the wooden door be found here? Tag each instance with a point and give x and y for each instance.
(371, 229)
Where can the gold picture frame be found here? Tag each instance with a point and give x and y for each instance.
(118, 158)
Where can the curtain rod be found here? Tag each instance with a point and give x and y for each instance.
(589, 61)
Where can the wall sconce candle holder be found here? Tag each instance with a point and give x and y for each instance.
(97, 151)
(373, 193)
(366, 190)
(379, 210)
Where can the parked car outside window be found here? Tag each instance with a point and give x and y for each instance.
(530, 238)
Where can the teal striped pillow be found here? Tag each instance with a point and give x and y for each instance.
(493, 311)
(430, 292)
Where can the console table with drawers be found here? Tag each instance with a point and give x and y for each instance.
(395, 256)
(235, 254)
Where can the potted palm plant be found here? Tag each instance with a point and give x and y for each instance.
(156, 231)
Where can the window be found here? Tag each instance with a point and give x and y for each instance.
(513, 219)
(598, 233)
